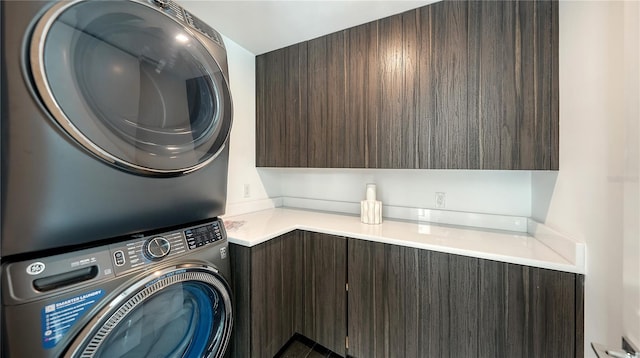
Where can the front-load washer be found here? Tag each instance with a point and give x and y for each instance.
(158, 294)
(115, 119)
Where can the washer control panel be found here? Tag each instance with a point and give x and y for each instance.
(154, 248)
(203, 235)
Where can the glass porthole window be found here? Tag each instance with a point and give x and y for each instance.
(182, 313)
(131, 85)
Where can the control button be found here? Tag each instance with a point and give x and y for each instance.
(118, 258)
(156, 248)
(162, 3)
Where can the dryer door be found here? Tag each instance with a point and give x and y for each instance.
(135, 85)
(184, 311)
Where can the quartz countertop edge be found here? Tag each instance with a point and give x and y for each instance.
(505, 246)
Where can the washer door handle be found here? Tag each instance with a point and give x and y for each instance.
(65, 279)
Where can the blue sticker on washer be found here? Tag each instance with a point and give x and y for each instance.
(59, 317)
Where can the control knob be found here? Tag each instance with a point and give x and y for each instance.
(156, 248)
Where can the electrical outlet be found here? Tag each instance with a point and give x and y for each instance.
(441, 199)
(247, 191)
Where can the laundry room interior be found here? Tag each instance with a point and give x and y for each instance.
(345, 178)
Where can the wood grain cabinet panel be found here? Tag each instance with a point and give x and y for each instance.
(406, 302)
(380, 322)
(513, 69)
(401, 301)
(361, 96)
(281, 107)
(268, 294)
(270, 145)
(452, 85)
(445, 136)
(291, 284)
(336, 144)
(394, 146)
(325, 297)
(328, 129)
(240, 260)
(317, 114)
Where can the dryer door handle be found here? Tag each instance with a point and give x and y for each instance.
(65, 279)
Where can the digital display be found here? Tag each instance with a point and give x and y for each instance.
(203, 235)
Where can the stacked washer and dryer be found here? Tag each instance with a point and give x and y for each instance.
(114, 146)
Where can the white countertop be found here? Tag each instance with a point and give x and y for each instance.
(505, 246)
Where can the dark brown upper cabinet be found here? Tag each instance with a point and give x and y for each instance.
(452, 85)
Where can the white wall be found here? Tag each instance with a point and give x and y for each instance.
(585, 198)
(631, 243)
(242, 168)
(491, 192)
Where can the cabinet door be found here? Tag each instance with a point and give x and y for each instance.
(513, 79)
(361, 109)
(395, 139)
(382, 302)
(294, 283)
(281, 107)
(445, 136)
(270, 119)
(406, 302)
(276, 293)
(268, 295)
(529, 312)
(326, 103)
(325, 297)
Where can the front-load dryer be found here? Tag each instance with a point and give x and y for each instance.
(158, 294)
(115, 119)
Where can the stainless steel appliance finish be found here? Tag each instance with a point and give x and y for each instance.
(155, 294)
(115, 119)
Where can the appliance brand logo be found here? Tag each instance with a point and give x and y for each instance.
(35, 268)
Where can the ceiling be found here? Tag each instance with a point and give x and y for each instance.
(263, 26)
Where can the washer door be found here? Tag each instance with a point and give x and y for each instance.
(135, 87)
(184, 311)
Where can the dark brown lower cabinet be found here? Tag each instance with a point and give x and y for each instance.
(294, 283)
(268, 293)
(325, 296)
(406, 302)
(401, 301)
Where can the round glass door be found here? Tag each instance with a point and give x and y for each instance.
(182, 313)
(132, 85)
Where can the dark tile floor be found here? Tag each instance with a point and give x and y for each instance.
(302, 347)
